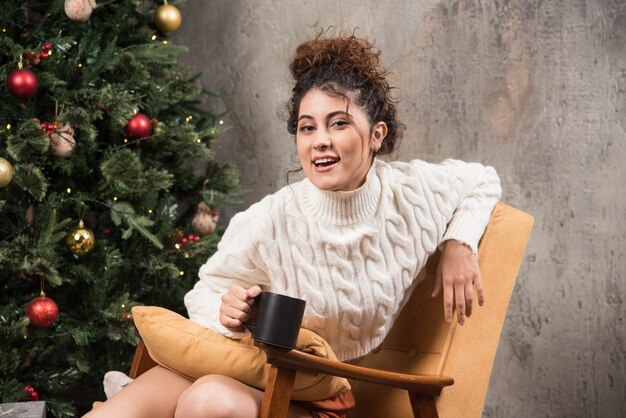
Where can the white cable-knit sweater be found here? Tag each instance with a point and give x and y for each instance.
(353, 256)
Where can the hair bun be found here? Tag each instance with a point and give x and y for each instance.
(350, 67)
(342, 53)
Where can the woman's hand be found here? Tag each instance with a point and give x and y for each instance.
(457, 275)
(237, 306)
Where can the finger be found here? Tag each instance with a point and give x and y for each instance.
(235, 313)
(480, 291)
(238, 292)
(438, 284)
(233, 301)
(253, 292)
(230, 323)
(469, 298)
(459, 295)
(448, 300)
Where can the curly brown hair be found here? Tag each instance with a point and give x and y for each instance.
(347, 66)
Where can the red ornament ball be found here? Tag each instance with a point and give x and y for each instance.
(32, 393)
(139, 126)
(22, 83)
(42, 311)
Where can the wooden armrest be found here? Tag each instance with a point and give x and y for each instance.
(298, 360)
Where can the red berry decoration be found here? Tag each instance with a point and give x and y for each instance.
(139, 126)
(32, 393)
(42, 311)
(22, 83)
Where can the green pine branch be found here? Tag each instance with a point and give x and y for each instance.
(133, 194)
(124, 213)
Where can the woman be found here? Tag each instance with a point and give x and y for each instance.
(350, 238)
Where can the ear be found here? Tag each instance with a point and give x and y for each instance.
(379, 133)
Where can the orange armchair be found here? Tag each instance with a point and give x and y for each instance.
(445, 368)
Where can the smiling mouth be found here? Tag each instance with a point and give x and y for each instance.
(325, 162)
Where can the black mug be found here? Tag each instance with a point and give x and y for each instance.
(278, 319)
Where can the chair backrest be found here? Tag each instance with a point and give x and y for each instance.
(422, 342)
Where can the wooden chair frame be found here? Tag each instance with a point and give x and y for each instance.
(285, 363)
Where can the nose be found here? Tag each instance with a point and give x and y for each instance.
(322, 140)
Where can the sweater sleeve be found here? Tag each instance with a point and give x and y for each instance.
(467, 205)
(234, 263)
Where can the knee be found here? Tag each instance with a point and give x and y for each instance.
(214, 396)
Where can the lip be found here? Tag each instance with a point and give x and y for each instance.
(321, 168)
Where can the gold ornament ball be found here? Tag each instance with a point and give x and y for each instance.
(6, 172)
(80, 240)
(167, 18)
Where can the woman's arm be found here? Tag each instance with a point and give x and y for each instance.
(229, 280)
(466, 206)
(478, 189)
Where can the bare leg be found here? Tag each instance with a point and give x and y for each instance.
(154, 394)
(216, 396)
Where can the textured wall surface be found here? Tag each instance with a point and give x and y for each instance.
(535, 88)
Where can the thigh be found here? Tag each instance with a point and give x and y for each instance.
(218, 396)
(154, 394)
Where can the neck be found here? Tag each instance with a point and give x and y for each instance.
(344, 208)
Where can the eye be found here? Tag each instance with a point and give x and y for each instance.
(306, 128)
(339, 123)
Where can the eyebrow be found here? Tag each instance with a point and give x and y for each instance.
(329, 116)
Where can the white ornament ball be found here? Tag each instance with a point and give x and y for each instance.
(205, 220)
(62, 142)
(79, 10)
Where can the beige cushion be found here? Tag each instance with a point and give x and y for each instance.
(193, 351)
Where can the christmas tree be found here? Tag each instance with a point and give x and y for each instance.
(109, 192)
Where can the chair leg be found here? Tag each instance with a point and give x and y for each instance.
(423, 406)
(277, 392)
(142, 361)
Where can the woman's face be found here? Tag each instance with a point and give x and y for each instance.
(335, 141)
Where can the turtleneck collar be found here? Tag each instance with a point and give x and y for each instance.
(344, 208)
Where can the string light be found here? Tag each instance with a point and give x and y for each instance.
(4, 29)
(181, 273)
(115, 198)
(126, 140)
(123, 306)
(153, 37)
(79, 65)
(188, 118)
(177, 246)
(68, 190)
(198, 140)
(221, 122)
(150, 211)
(164, 42)
(186, 255)
(49, 53)
(8, 126)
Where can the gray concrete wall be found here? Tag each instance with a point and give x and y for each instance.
(535, 88)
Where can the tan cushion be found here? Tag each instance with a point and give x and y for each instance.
(193, 351)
